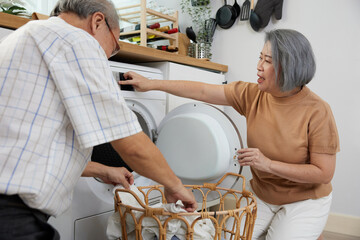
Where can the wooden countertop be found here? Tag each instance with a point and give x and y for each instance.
(131, 53)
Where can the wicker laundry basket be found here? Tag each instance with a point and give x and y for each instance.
(236, 223)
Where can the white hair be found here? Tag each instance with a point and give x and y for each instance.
(85, 8)
(293, 56)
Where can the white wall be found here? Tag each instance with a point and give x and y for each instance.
(333, 28)
(40, 6)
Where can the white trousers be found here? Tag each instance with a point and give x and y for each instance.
(303, 220)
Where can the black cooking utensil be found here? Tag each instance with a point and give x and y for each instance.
(207, 30)
(191, 34)
(245, 11)
(255, 20)
(225, 16)
(236, 6)
(213, 25)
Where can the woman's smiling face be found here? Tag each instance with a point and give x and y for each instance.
(266, 72)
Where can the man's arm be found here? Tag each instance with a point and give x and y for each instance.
(141, 154)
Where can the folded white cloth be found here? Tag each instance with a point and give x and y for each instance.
(204, 229)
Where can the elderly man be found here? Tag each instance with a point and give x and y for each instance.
(58, 100)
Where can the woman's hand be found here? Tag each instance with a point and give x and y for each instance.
(255, 158)
(139, 82)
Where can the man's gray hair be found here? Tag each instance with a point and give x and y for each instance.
(85, 8)
(292, 57)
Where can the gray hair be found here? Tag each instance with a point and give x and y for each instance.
(85, 8)
(293, 56)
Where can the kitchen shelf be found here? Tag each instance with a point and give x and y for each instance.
(131, 53)
(142, 17)
(12, 21)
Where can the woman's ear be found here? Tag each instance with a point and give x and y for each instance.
(97, 22)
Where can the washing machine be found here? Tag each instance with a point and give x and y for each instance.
(197, 140)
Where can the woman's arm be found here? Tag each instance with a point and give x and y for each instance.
(320, 169)
(210, 93)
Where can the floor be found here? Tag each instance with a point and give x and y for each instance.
(336, 236)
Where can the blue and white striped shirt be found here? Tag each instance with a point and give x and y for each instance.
(58, 99)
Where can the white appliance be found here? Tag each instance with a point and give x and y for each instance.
(198, 141)
(175, 71)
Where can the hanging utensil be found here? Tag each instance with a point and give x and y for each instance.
(210, 26)
(191, 34)
(245, 10)
(255, 20)
(206, 30)
(225, 16)
(213, 25)
(236, 6)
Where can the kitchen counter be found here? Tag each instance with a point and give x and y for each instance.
(131, 53)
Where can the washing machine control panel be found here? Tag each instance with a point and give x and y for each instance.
(119, 76)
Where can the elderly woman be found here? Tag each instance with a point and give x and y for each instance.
(291, 135)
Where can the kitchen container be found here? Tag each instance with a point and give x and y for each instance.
(236, 223)
(200, 50)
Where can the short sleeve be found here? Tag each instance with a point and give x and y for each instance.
(90, 94)
(323, 134)
(241, 95)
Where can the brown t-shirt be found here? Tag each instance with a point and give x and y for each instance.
(287, 130)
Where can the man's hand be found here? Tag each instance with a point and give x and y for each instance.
(183, 194)
(110, 175)
(118, 175)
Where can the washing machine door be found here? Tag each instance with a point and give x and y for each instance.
(144, 116)
(199, 142)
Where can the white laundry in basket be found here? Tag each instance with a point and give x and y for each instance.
(204, 229)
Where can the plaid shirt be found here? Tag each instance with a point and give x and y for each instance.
(58, 99)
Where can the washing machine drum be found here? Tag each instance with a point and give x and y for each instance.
(199, 142)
